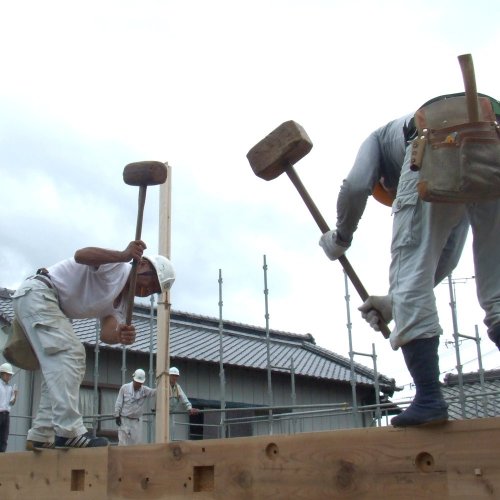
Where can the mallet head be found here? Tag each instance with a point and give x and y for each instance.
(145, 173)
(283, 147)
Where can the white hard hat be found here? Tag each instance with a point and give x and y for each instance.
(6, 368)
(139, 376)
(164, 271)
(173, 371)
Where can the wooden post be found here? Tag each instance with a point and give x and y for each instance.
(163, 318)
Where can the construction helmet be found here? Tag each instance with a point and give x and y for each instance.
(164, 271)
(139, 376)
(174, 371)
(6, 368)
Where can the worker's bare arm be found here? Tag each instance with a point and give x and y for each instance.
(95, 256)
(113, 332)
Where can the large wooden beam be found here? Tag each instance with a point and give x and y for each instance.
(459, 460)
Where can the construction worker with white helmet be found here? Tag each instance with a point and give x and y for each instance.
(177, 397)
(129, 408)
(8, 396)
(95, 283)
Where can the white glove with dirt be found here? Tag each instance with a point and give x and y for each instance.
(374, 306)
(332, 246)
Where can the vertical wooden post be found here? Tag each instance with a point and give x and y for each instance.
(163, 318)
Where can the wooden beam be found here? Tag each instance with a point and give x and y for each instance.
(458, 460)
(163, 318)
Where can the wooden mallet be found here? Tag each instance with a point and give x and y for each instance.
(142, 174)
(277, 153)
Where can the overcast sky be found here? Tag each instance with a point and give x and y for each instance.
(88, 87)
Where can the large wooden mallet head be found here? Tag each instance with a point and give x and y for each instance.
(145, 173)
(283, 147)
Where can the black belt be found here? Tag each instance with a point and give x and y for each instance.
(4, 412)
(44, 280)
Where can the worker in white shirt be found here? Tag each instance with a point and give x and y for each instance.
(129, 408)
(8, 395)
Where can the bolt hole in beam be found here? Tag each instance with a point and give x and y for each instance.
(272, 451)
(203, 478)
(424, 462)
(77, 479)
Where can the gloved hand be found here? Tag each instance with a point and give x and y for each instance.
(375, 305)
(333, 247)
(118, 421)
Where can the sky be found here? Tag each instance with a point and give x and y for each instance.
(88, 87)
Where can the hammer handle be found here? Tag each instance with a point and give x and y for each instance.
(133, 272)
(320, 221)
(469, 77)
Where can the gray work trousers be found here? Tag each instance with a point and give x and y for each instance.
(421, 232)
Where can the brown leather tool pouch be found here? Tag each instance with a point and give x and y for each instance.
(459, 161)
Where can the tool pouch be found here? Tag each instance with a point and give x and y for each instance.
(458, 160)
(18, 350)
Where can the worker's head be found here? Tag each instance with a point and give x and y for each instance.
(155, 274)
(173, 375)
(139, 377)
(6, 372)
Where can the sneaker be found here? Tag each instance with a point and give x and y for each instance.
(39, 445)
(84, 441)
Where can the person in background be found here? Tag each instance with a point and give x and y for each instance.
(8, 396)
(129, 408)
(93, 284)
(177, 397)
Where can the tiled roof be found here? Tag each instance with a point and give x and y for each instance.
(474, 401)
(194, 337)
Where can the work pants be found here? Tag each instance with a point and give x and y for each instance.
(4, 430)
(62, 361)
(130, 432)
(421, 233)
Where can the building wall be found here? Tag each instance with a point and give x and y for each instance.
(200, 381)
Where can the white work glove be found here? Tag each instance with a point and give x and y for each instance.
(333, 248)
(375, 305)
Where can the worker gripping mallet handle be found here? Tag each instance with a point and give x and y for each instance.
(142, 174)
(277, 153)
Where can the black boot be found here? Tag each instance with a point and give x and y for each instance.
(428, 405)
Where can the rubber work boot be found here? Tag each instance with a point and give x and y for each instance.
(428, 405)
(84, 441)
(494, 335)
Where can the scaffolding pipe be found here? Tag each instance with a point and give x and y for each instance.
(222, 378)
(268, 346)
(481, 371)
(453, 306)
(124, 364)
(351, 353)
(96, 375)
(373, 355)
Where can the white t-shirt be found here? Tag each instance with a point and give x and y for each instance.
(89, 292)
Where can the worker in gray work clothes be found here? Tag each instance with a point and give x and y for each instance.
(177, 397)
(92, 284)
(382, 168)
(421, 230)
(129, 408)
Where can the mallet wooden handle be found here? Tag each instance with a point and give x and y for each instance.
(320, 221)
(133, 272)
(468, 75)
